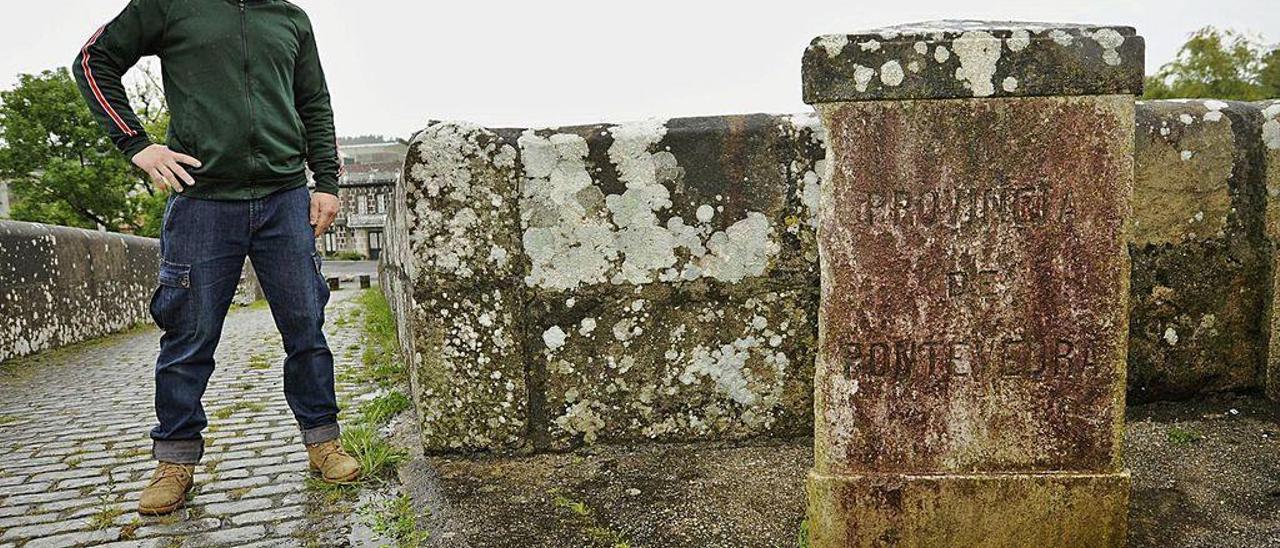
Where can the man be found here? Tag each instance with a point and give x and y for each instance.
(249, 113)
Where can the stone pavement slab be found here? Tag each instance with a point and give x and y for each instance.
(74, 451)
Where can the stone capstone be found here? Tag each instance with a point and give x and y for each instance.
(951, 59)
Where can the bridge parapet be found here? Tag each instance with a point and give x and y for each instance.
(62, 285)
(611, 276)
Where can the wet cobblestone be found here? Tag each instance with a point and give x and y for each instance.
(74, 451)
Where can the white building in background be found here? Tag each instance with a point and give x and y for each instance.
(364, 192)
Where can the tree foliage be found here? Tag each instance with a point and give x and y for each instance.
(1219, 64)
(61, 166)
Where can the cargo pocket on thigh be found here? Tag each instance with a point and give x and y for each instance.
(171, 302)
(323, 283)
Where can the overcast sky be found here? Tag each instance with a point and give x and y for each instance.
(394, 64)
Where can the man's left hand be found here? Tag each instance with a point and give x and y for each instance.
(324, 208)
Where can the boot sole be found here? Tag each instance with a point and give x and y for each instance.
(162, 510)
(349, 479)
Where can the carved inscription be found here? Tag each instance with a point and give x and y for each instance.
(972, 284)
(1015, 205)
(995, 357)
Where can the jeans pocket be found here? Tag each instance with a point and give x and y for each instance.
(170, 304)
(322, 285)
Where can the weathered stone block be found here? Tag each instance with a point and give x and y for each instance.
(670, 292)
(974, 306)
(1200, 259)
(454, 270)
(974, 285)
(659, 201)
(461, 215)
(468, 371)
(613, 282)
(1271, 161)
(969, 510)
(679, 362)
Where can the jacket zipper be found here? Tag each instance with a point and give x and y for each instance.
(248, 90)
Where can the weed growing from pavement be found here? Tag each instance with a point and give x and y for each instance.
(1182, 436)
(585, 516)
(379, 411)
(105, 516)
(381, 363)
(377, 457)
(226, 412)
(332, 493)
(259, 362)
(396, 520)
(134, 453)
(129, 530)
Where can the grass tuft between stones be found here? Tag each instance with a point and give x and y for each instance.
(377, 457)
(396, 520)
(379, 411)
(1183, 436)
(601, 535)
(380, 362)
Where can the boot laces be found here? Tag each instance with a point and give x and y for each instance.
(169, 472)
(328, 449)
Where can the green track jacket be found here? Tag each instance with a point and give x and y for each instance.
(246, 93)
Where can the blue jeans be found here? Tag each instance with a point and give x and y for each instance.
(203, 245)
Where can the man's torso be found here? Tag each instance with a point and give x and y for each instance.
(228, 72)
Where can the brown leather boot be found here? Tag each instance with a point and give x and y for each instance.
(332, 462)
(168, 489)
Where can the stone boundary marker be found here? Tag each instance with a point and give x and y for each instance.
(974, 304)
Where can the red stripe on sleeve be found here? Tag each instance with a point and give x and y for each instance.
(97, 93)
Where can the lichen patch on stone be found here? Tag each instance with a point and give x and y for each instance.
(978, 52)
(833, 43)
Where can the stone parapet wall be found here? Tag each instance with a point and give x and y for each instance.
(1201, 284)
(608, 283)
(659, 280)
(63, 285)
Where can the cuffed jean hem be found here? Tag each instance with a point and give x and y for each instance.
(321, 434)
(178, 451)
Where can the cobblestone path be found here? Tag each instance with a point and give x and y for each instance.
(74, 451)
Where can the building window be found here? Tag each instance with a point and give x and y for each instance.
(330, 242)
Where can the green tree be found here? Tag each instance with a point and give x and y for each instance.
(1219, 64)
(1269, 77)
(62, 167)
